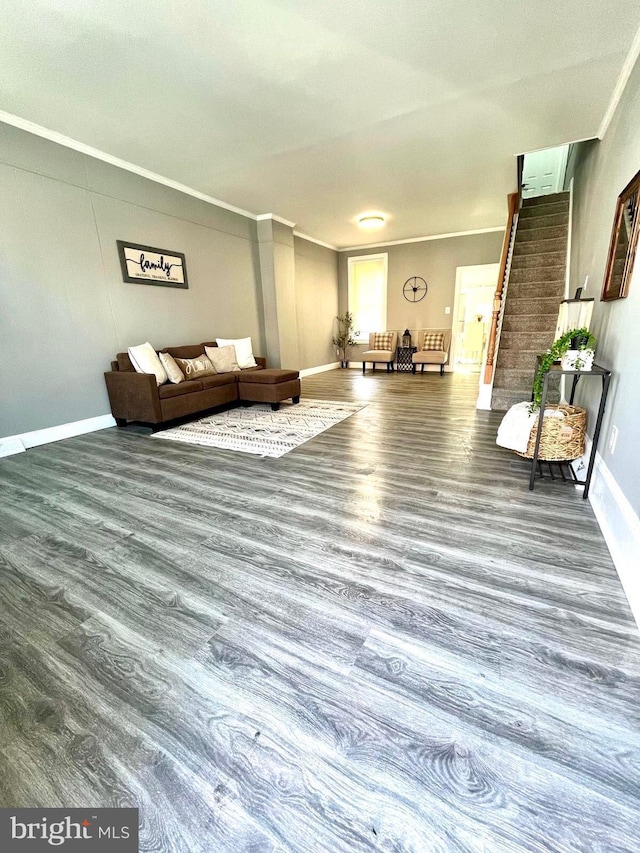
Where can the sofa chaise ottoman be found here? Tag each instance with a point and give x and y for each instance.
(137, 396)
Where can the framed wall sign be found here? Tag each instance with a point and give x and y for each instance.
(146, 265)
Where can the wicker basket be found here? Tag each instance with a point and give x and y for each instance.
(562, 438)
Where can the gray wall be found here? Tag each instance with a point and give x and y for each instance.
(64, 309)
(436, 262)
(316, 279)
(601, 171)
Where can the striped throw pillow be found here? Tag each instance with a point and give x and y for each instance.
(382, 340)
(433, 341)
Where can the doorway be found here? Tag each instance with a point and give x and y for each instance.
(543, 171)
(472, 308)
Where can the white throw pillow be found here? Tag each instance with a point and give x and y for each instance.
(223, 358)
(145, 360)
(244, 351)
(173, 371)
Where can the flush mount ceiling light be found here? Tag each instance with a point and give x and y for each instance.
(371, 220)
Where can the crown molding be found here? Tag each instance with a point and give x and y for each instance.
(262, 216)
(68, 142)
(423, 239)
(623, 79)
(314, 240)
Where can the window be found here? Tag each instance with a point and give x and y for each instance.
(368, 293)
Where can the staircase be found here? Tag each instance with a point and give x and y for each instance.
(534, 292)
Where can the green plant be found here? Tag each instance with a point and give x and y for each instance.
(558, 349)
(344, 339)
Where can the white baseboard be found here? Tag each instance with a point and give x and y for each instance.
(309, 371)
(620, 527)
(19, 443)
(10, 445)
(484, 396)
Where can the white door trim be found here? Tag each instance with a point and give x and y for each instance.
(460, 272)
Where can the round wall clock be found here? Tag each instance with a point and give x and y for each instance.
(415, 289)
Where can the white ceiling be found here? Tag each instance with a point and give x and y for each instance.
(319, 110)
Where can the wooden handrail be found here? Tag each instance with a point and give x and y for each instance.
(513, 200)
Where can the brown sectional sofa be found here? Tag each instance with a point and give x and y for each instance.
(137, 397)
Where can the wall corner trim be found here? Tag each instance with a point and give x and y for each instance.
(423, 239)
(623, 79)
(620, 527)
(54, 433)
(314, 240)
(275, 218)
(322, 368)
(68, 142)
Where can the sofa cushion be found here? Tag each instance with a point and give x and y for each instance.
(223, 359)
(217, 379)
(269, 376)
(430, 356)
(145, 360)
(173, 371)
(377, 355)
(195, 368)
(124, 362)
(185, 387)
(244, 350)
(189, 351)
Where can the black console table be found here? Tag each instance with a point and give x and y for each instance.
(404, 362)
(556, 369)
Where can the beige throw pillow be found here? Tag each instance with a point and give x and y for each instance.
(244, 350)
(223, 358)
(173, 371)
(195, 367)
(433, 341)
(145, 360)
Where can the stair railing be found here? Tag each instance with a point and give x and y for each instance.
(513, 200)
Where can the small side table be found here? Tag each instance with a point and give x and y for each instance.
(605, 376)
(404, 364)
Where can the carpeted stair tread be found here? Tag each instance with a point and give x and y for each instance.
(502, 400)
(550, 220)
(531, 247)
(518, 359)
(536, 289)
(544, 209)
(544, 232)
(539, 304)
(544, 259)
(551, 198)
(517, 380)
(537, 275)
(539, 341)
(529, 322)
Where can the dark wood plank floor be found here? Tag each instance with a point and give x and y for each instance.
(379, 642)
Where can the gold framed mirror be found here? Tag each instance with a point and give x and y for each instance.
(624, 242)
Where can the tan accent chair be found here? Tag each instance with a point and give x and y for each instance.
(435, 356)
(377, 356)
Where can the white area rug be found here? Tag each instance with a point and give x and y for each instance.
(260, 430)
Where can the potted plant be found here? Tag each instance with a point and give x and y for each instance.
(344, 339)
(579, 344)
